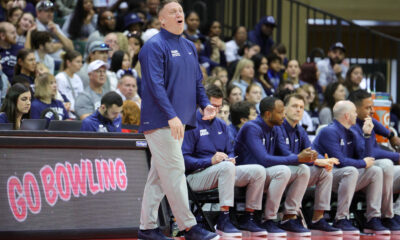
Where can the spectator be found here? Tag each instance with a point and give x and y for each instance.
(26, 65)
(16, 105)
(334, 67)
(232, 47)
(130, 113)
(353, 79)
(24, 25)
(65, 7)
(68, 82)
(221, 73)
(311, 105)
(41, 43)
(152, 6)
(132, 23)
(14, 14)
(81, 22)
(306, 121)
(293, 72)
(45, 105)
(97, 51)
(105, 25)
(120, 60)
(192, 21)
(135, 44)
(107, 117)
(253, 95)
(280, 50)
(127, 88)
(111, 39)
(205, 62)
(244, 75)
(309, 74)
(262, 34)
(261, 76)
(274, 70)
(234, 94)
(44, 22)
(8, 48)
(334, 93)
(240, 113)
(247, 51)
(90, 99)
(214, 47)
(224, 112)
(4, 85)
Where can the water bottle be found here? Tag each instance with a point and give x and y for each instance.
(174, 227)
(102, 128)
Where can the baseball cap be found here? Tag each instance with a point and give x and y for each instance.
(44, 5)
(96, 64)
(98, 46)
(131, 18)
(337, 45)
(269, 20)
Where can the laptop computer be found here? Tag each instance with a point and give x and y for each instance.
(59, 125)
(33, 124)
(6, 126)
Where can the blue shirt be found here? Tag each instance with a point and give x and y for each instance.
(256, 36)
(57, 106)
(377, 152)
(343, 144)
(92, 123)
(295, 138)
(233, 131)
(9, 60)
(200, 144)
(171, 81)
(3, 118)
(258, 143)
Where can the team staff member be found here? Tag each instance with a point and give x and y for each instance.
(258, 143)
(210, 163)
(107, 117)
(296, 138)
(171, 89)
(384, 159)
(356, 171)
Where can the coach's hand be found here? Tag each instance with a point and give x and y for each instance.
(369, 161)
(307, 155)
(209, 112)
(176, 126)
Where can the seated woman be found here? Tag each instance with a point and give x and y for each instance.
(130, 115)
(26, 65)
(45, 105)
(16, 105)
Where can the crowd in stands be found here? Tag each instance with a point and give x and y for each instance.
(78, 60)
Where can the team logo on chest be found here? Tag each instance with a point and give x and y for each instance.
(204, 132)
(175, 53)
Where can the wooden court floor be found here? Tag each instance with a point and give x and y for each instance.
(344, 237)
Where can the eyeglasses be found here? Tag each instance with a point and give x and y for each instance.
(109, 18)
(45, 5)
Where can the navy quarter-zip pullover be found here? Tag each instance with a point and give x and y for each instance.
(171, 81)
(257, 143)
(343, 144)
(200, 144)
(377, 152)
